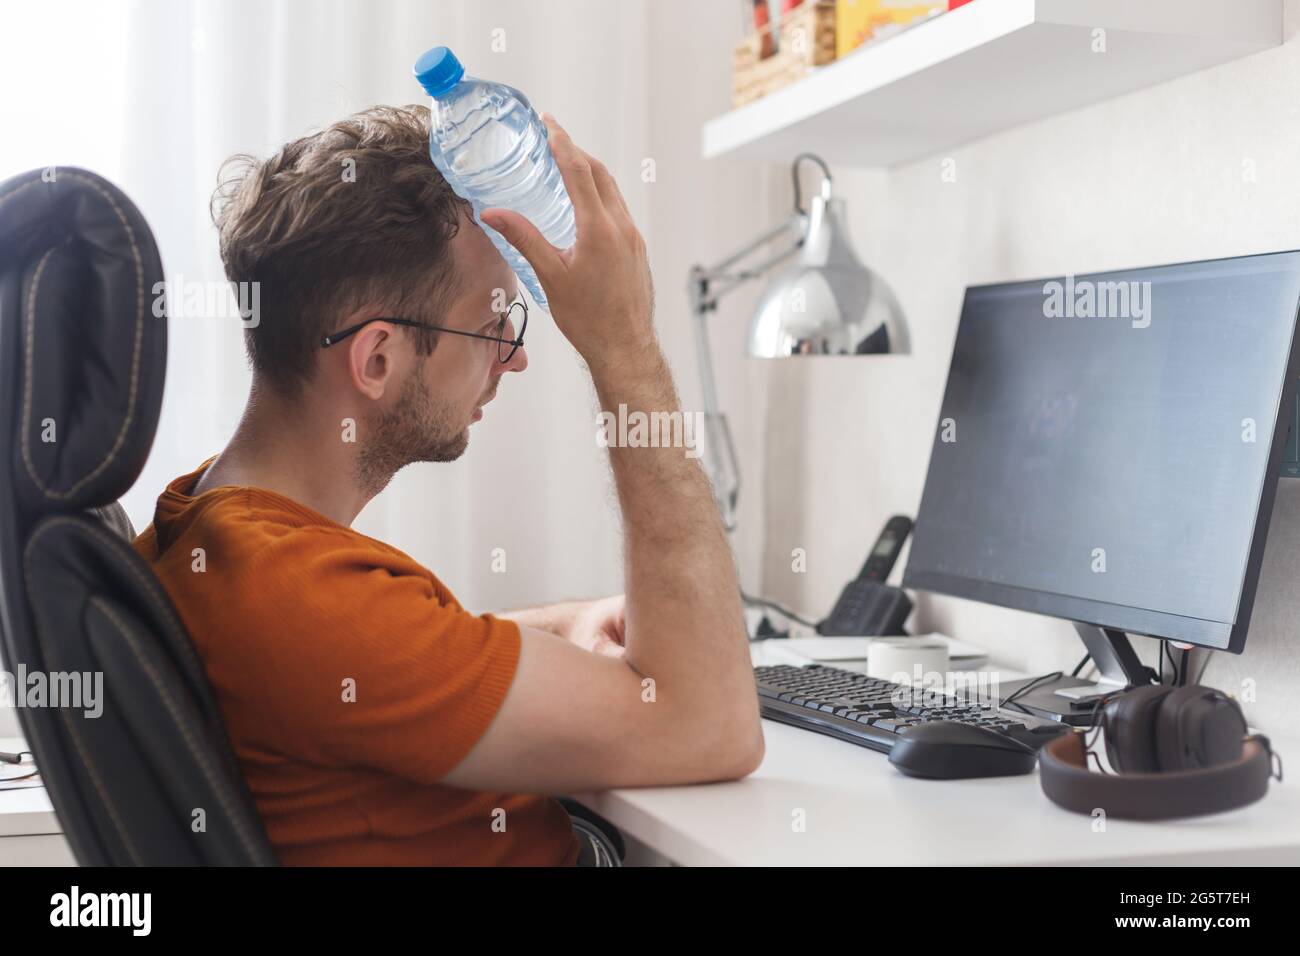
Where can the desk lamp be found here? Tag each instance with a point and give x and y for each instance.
(825, 303)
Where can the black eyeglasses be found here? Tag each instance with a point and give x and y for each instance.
(506, 346)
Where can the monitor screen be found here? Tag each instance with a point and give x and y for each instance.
(1108, 446)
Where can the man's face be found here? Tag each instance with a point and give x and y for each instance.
(444, 393)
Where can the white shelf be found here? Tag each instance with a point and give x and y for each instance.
(984, 67)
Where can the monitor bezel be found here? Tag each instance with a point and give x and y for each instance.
(1218, 635)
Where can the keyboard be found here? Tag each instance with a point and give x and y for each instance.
(875, 713)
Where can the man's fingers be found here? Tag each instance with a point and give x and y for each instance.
(608, 188)
(575, 169)
(621, 201)
(524, 236)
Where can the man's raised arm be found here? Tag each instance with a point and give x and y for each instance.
(680, 706)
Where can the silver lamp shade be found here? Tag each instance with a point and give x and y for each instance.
(828, 302)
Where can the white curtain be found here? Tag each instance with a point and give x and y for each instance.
(155, 94)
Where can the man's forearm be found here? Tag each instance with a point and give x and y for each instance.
(685, 626)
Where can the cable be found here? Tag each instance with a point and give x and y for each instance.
(780, 609)
(17, 759)
(1037, 681)
(1201, 673)
(1164, 649)
(1097, 726)
(1078, 667)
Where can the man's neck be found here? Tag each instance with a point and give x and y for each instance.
(279, 446)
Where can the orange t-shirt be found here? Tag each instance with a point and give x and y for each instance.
(350, 681)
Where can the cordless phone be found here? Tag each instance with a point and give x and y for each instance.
(883, 556)
(867, 606)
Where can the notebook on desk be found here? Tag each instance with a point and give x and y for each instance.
(840, 649)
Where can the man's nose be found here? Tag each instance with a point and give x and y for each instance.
(517, 363)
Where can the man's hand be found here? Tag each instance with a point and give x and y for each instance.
(600, 291)
(597, 626)
(601, 627)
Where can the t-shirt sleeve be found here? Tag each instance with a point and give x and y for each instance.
(382, 670)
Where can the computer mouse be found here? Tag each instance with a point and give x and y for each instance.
(947, 750)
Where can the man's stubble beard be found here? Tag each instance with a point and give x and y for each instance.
(417, 428)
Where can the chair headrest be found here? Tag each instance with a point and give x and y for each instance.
(82, 353)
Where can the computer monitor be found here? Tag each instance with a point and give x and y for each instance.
(1108, 450)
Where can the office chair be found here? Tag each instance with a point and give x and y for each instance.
(152, 780)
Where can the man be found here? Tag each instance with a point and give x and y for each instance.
(375, 720)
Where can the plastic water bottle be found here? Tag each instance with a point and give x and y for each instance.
(492, 149)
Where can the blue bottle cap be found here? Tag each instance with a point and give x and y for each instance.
(438, 70)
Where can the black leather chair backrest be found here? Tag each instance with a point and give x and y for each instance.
(151, 778)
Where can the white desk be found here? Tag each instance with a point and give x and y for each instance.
(858, 810)
(30, 834)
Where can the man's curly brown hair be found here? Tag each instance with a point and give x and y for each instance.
(350, 216)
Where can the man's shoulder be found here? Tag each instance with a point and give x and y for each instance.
(248, 528)
(241, 560)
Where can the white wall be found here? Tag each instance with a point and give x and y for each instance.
(699, 213)
(1151, 177)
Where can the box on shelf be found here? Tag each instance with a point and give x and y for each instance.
(861, 21)
(804, 39)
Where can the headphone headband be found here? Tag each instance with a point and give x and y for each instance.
(1068, 782)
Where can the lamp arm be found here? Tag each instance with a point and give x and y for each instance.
(725, 282)
(705, 279)
(722, 463)
(708, 285)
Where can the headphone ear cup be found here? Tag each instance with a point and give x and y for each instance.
(1198, 727)
(1131, 729)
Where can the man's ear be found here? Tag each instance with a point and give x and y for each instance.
(370, 359)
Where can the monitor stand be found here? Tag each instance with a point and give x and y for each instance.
(1073, 700)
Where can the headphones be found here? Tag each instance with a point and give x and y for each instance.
(1176, 752)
